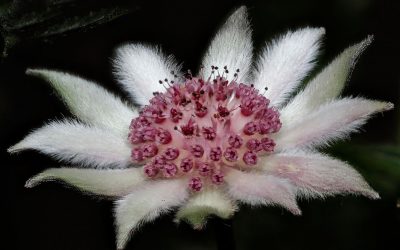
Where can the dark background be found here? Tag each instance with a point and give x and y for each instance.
(54, 217)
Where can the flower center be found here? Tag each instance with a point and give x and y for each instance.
(199, 128)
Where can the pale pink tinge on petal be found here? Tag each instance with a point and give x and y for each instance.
(145, 204)
(332, 121)
(88, 101)
(286, 61)
(317, 175)
(74, 142)
(257, 189)
(107, 182)
(326, 85)
(231, 47)
(138, 68)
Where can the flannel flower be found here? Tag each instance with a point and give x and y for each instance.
(203, 143)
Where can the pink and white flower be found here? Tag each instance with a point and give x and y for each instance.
(204, 143)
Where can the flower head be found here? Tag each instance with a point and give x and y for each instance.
(204, 142)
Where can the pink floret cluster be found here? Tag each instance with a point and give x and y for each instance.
(200, 128)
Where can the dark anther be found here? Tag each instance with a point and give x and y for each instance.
(225, 67)
(235, 75)
(175, 128)
(216, 67)
(188, 74)
(160, 82)
(251, 85)
(172, 82)
(212, 67)
(175, 76)
(226, 71)
(172, 72)
(266, 88)
(166, 80)
(201, 92)
(237, 70)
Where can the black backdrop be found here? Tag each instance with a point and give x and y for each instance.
(54, 217)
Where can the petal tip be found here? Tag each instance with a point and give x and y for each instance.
(241, 10)
(383, 106)
(30, 71)
(40, 178)
(34, 72)
(296, 211)
(373, 195)
(388, 106)
(239, 16)
(32, 182)
(320, 30)
(15, 149)
(369, 39)
(121, 241)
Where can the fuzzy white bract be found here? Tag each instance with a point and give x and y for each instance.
(203, 143)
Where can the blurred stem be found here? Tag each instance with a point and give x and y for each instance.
(224, 234)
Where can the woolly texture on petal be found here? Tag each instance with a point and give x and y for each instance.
(232, 47)
(146, 203)
(139, 68)
(204, 204)
(332, 121)
(77, 143)
(115, 182)
(256, 189)
(88, 101)
(286, 61)
(317, 175)
(327, 85)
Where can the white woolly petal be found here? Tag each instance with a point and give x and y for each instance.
(255, 188)
(232, 47)
(327, 85)
(286, 61)
(145, 203)
(110, 182)
(317, 175)
(88, 101)
(202, 205)
(332, 121)
(78, 143)
(139, 68)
